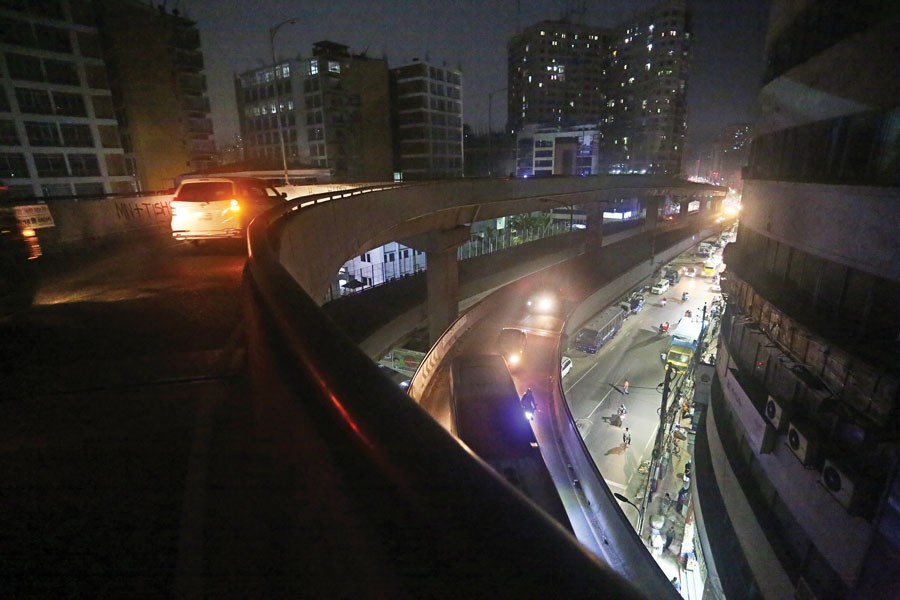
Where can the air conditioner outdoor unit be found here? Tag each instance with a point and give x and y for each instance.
(838, 484)
(802, 445)
(776, 414)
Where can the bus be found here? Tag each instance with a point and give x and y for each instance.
(487, 416)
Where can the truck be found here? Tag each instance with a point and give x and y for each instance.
(683, 343)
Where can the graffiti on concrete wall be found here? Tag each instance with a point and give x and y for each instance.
(144, 210)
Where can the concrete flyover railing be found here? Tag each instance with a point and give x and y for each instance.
(436, 520)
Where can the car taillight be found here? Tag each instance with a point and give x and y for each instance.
(235, 206)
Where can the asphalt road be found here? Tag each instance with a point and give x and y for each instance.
(116, 385)
(594, 388)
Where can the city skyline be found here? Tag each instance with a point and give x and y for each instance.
(727, 48)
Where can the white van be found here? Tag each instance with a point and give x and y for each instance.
(205, 208)
(660, 287)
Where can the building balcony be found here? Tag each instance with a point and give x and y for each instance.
(198, 126)
(191, 62)
(191, 83)
(197, 104)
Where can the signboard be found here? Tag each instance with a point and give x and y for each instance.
(35, 216)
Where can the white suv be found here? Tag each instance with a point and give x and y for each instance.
(205, 208)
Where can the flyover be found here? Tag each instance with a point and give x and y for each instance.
(393, 458)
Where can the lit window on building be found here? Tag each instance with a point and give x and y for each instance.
(313, 67)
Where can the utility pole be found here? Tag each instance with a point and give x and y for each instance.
(657, 446)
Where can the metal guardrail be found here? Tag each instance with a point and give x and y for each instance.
(439, 522)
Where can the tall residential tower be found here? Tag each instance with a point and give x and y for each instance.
(628, 82)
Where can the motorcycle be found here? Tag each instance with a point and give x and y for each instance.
(528, 404)
(664, 327)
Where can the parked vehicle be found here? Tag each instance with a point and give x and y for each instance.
(565, 366)
(206, 208)
(660, 287)
(683, 343)
(19, 249)
(673, 274)
(590, 340)
(633, 304)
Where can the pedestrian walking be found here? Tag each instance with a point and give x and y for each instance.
(625, 386)
(677, 584)
(626, 437)
(670, 537)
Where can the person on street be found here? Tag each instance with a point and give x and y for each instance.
(670, 537)
(625, 386)
(528, 403)
(626, 438)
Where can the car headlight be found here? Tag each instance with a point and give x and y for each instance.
(235, 206)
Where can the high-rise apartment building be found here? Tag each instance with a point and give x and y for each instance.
(801, 486)
(58, 130)
(644, 120)
(556, 75)
(428, 131)
(630, 81)
(336, 113)
(155, 67)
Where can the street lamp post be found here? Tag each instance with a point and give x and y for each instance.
(622, 498)
(278, 113)
(491, 129)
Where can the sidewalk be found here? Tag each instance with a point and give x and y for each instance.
(669, 513)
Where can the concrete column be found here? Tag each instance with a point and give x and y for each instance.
(594, 231)
(441, 275)
(652, 204)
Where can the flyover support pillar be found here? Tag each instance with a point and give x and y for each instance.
(653, 205)
(594, 226)
(441, 276)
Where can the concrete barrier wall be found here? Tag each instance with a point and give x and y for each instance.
(79, 223)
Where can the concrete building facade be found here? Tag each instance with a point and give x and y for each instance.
(58, 130)
(644, 120)
(335, 109)
(428, 121)
(803, 423)
(542, 151)
(556, 75)
(155, 67)
(630, 82)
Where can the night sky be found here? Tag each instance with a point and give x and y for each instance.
(471, 35)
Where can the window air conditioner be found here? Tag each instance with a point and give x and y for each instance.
(776, 414)
(838, 484)
(802, 444)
